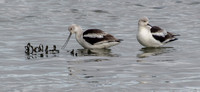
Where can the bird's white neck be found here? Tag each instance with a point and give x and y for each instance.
(79, 36)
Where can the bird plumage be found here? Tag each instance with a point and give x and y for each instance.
(93, 38)
(97, 36)
(152, 36)
(162, 35)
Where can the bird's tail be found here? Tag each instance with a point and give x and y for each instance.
(176, 35)
(119, 40)
(173, 39)
(170, 40)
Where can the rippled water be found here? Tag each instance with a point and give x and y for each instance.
(127, 67)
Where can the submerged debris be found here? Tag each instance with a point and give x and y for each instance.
(39, 51)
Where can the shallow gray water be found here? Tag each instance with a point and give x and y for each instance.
(127, 67)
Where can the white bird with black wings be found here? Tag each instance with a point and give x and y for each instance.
(92, 38)
(152, 36)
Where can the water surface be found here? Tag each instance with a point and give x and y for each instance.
(127, 67)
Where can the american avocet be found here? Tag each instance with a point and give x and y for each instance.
(92, 38)
(152, 36)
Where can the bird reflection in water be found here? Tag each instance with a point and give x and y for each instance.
(148, 51)
(92, 52)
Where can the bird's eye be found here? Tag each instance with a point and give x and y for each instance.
(70, 28)
(144, 21)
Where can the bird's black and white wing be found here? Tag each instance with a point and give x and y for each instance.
(97, 36)
(162, 35)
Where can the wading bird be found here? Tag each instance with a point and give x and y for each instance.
(152, 36)
(92, 38)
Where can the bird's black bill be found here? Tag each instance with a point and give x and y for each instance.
(66, 41)
(149, 25)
